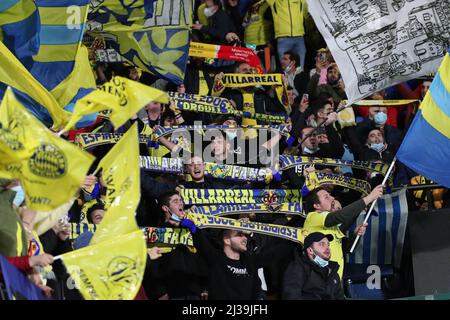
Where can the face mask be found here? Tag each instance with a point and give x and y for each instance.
(289, 67)
(380, 118)
(320, 262)
(307, 150)
(231, 134)
(20, 196)
(377, 146)
(209, 12)
(175, 217)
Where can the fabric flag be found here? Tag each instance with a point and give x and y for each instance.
(56, 168)
(378, 44)
(14, 74)
(204, 50)
(151, 34)
(112, 266)
(120, 172)
(19, 29)
(62, 63)
(93, 102)
(430, 131)
(133, 96)
(17, 285)
(57, 62)
(383, 241)
(110, 270)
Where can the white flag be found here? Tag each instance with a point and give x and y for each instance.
(377, 44)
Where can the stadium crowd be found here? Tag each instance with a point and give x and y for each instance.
(233, 264)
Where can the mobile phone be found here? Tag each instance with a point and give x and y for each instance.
(322, 57)
(305, 97)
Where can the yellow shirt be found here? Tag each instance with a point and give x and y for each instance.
(315, 222)
(288, 16)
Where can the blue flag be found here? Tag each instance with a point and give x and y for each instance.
(426, 147)
(17, 285)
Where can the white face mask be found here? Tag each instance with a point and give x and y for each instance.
(19, 197)
(209, 12)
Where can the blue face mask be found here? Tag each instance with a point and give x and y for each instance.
(174, 217)
(20, 196)
(377, 146)
(380, 118)
(320, 262)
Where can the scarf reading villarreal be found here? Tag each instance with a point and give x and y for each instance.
(234, 80)
(239, 196)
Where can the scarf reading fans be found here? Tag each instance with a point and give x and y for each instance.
(294, 208)
(239, 196)
(236, 80)
(287, 162)
(87, 141)
(153, 236)
(168, 236)
(285, 232)
(318, 179)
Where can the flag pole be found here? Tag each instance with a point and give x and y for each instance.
(388, 173)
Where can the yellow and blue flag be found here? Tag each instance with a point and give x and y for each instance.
(19, 29)
(151, 34)
(426, 147)
(45, 37)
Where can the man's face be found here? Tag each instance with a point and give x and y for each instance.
(244, 68)
(322, 138)
(169, 122)
(153, 107)
(327, 202)
(333, 75)
(176, 206)
(97, 216)
(321, 249)
(328, 108)
(237, 240)
(374, 110)
(311, 142)
(285, 61)
(425, 87)
(196, 169)
(375, 136)
(219, 146)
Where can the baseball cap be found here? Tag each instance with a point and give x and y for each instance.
(315, 237)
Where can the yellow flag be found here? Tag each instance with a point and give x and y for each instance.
(133, 96)
(110, 270)
(14, 74)
(53, 172)
(80, 77)
(112, 266)
(95, 101)
(121, 172)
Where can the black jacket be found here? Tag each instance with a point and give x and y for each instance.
(218, 26)
(304, 280)
(236, 279)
